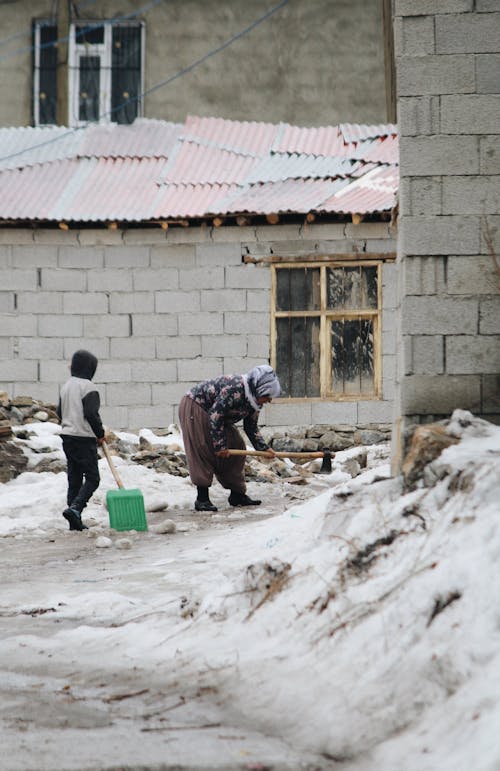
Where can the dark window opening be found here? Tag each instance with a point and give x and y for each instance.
(104, 72)
(326, 329)
(90, 34)
(47, 87)
(125, 74)
(90, 80)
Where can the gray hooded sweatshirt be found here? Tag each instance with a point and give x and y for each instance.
(79, 402)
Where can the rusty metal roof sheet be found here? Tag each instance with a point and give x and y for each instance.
(326, 141)
(205, 167)
(381, 150)
(354, 132)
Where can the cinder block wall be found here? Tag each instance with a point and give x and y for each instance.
(448, 74)
(163, 310)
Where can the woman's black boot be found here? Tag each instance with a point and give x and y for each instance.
(203, 502)
(242, 499)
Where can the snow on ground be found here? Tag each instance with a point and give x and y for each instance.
(347, 624)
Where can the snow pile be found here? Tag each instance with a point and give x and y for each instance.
(366, 626)
(360, 624)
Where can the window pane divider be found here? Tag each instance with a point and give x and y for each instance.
(326, 316)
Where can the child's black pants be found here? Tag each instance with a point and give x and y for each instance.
(83, 471)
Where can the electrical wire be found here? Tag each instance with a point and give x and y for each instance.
(28, 32)
(163, 83)
(215, 51)
(91, 25)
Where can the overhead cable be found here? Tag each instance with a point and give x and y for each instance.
(166, 82)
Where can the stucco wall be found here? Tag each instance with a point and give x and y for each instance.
(448, 71)
(163, 310)
(314, 63)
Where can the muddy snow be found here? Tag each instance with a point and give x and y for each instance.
(345, 623)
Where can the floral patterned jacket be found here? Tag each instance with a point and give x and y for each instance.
(224, 400)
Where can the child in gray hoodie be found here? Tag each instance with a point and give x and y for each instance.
(81, 432)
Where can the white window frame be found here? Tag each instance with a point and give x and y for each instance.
(76, 51)
(36, 76)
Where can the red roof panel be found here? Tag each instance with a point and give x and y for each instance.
(208, 166)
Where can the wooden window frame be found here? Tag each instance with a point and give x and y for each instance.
(324, 313)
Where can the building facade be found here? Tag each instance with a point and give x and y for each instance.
(448, 73)
(163, 310)
(315, 63)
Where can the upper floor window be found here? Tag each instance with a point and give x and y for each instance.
(105, 72)
(326, 329)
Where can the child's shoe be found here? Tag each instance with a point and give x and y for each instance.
(74, 518)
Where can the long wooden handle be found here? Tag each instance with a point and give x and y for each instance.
(106, 452)
(264, 454)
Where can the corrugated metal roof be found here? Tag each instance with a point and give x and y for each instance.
(205, 167)
(253, 137)
(145, 138)
(354, 132)
(28, 146)
(325, 141)
(280, 166)
(86, 189)
(185, 201)
(290, 196)
(382, 150)
(373, 192)
(196, 163)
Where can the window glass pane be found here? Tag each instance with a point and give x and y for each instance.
(352, 288)
(298, 289)
(90, 71)
(125, 73)
(298, 356)
(47, 94)
(89, 34)
(352, 356)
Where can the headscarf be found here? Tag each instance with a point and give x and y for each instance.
(261, 381)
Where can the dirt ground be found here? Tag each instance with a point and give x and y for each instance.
(84, 708)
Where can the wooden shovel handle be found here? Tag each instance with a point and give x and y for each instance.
(106, 452)
(263, 453)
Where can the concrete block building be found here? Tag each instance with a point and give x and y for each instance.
(448, 76)
(178, 252)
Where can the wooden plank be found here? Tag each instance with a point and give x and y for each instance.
(274, 259)
(389, 61)
(265, 454)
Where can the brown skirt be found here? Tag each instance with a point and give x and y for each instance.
(202, 461)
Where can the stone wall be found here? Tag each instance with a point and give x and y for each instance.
(448, 74)
(163, 310)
